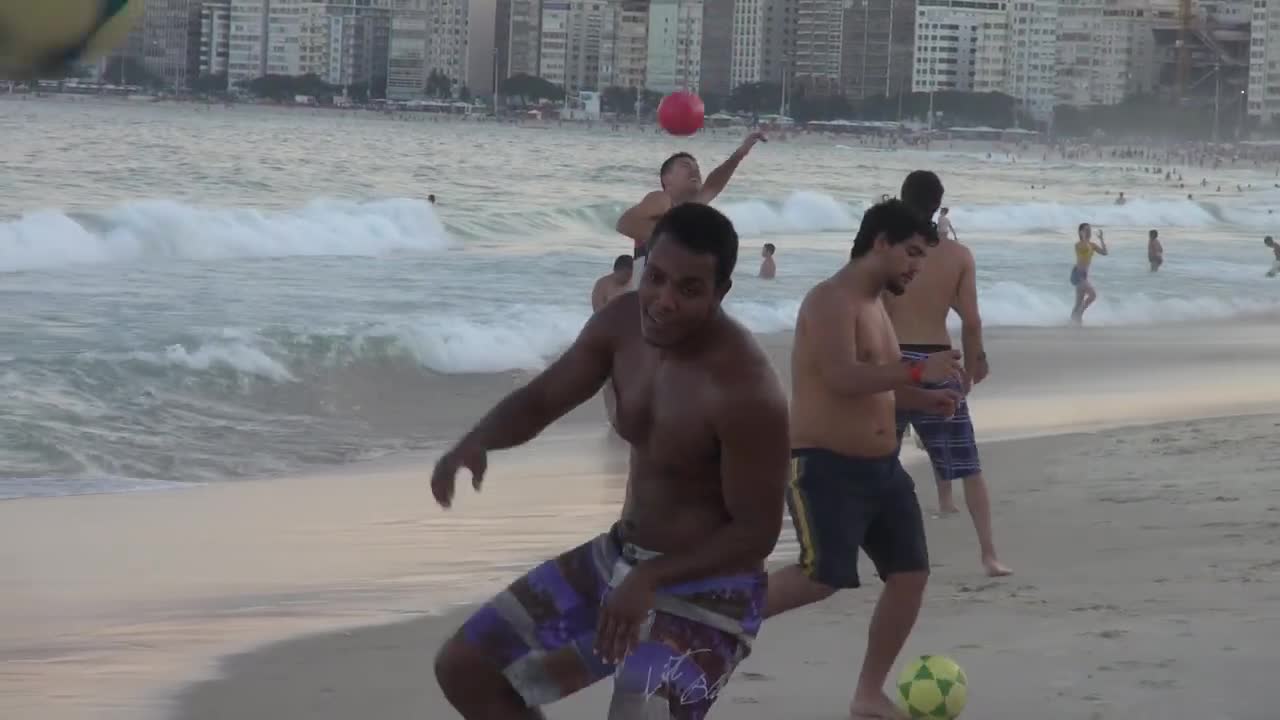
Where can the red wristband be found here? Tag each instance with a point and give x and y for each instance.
(917, 372)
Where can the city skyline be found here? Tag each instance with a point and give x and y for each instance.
(1042, 53)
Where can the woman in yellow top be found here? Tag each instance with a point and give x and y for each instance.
(1085, 249)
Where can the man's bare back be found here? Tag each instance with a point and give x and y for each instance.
(606, 289)
(824, 417)
(920, 314)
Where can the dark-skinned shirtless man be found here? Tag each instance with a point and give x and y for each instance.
(947, 281)
(848, 489)
(669, 600)
(681, 181)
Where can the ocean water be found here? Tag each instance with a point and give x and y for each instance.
(195, 294)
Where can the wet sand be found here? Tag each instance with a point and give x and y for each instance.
(1146, 583)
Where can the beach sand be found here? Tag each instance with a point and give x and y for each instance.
(1147, 583)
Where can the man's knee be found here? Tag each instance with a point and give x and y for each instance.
(466, 676)
(908, 582)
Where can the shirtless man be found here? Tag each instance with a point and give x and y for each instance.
(1155, 251)
(681, 181)
(668, 600)
(768, 266)
(606, 289)
(847, 488)
(1275, 250)
(946, 282)
(612, 285)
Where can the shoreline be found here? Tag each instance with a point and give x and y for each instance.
(1072, 651)
(1045, 381)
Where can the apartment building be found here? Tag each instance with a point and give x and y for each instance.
(624, 43)
(954, 39)
(675, 46)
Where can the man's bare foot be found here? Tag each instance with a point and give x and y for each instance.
(877, 707)
(948, 510)
(995, 568)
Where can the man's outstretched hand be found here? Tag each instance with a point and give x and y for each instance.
(464, 454)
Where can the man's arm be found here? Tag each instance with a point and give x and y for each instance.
(833, 330)
(966, 306)
(638, 221)
(575, 377)
(755, 457)
(719, 178)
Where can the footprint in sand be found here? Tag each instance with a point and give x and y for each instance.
(1106, 634)
(755, 677)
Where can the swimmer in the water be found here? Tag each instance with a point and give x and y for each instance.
(768, 267)
(1155, 251)
(1120, 199)
(946, 231)
(1275, 248)
(1085, 250)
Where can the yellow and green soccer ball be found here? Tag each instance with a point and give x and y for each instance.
(39, 37)
(934, 687)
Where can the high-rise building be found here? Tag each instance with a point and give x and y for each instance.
(215, 37)
(818, 41)
(482, 57)
(1264, 61)
(570, 49)
(675, 46)
(747, 43)
(1031, 70)
(624, 43)
(856, 48)
(247, 48)
(525, 37)
(407, 52)
(715, 65)
(448, 35)
(952, 39)
(778, 51)
(171, 41)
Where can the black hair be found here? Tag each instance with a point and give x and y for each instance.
(1267, 240)
(1080, 227)
(922, 191)
(622, 262)
(896, 221)
(1152, 233)
(431, 199)
(666, 164)
(771, 248)
(702, 230)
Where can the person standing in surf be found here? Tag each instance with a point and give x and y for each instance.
(681, 181)
(1085, 250)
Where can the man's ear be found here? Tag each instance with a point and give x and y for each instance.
(724, 288)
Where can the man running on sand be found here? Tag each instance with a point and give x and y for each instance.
(946, 282)
(681, 181)
(669, 600)
(847, 488)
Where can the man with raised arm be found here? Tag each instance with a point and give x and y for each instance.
(668, 600)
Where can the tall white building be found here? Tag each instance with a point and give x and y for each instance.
(407, 53)
(247, 47)
(951, 36)
(1264, 61)
(1031, 70)
(675, 45)
(569, 55)
(746, 63)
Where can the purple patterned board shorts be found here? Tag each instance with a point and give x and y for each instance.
(541, 632)
(950, 442)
